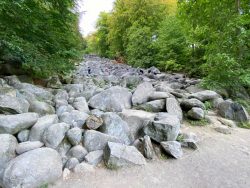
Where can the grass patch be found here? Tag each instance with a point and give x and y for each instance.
(244, 125)
(111, 166)
(44, 186)
(202, 122)
(208, 105)
(180, 138)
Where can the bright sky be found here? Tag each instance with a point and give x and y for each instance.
(92, 8)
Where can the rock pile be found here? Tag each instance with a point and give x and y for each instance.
(106, 112)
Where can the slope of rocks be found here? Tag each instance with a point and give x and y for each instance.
(104, 112)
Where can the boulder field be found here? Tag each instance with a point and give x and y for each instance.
(104, 112)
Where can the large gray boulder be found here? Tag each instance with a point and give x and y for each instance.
(13, 124)
(27, 146)
(8, 91)
(13, 105)
(153, 106)
(44, 166)
(113, 125)
(94, 157)
(74, 118)
(94, 140)
(64, 108)
(78, 152)
(7, 152)
(196, 113)
(39, 92)
(172, 148)
(63, 149)
(114, 99)
(81, 104)
(118, 155)
(163, 130)
(148, 150)
(71, 163)
(205, 95)
(41, 125)
(42, 108)
(54, 134)
(159, 95)
(233, 111)
(74, 136)
(173, 108)
(142, 93)
(136, 120)
(188, 104)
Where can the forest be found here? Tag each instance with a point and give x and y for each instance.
(41, 35)
(204, 38)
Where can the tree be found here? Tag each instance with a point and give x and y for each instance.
(102, 43)
(145, 13)
(221, 30)
(140, 51)
(173, 51)
(43, 35)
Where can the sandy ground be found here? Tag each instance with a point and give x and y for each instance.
(222, 161)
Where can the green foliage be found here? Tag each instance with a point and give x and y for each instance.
(244, 125)
(220, 30)
(173, 51)
(44, 186)
(42, 35)
(139, 51)
(208, 105)
(202, 122)
(102, 44)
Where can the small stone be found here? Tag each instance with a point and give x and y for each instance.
(148, 149)
(94, 122)
(172, 148)
(74, 136)
(23, 136)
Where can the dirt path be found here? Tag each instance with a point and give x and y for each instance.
(222, 161)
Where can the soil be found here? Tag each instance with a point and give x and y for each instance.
(222, 161)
